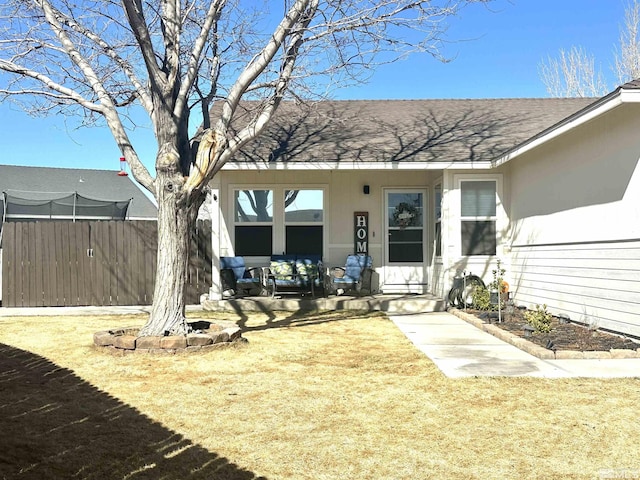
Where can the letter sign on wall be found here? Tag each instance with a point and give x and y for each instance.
(361, 232)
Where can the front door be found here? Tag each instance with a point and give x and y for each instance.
(405, 266)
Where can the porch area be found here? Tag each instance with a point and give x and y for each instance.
(391, 303)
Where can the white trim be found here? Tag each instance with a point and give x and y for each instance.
(403, 166)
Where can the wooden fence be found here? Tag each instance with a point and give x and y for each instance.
(56, 263)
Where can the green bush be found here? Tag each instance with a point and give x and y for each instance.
(539, 319)
(481, 299)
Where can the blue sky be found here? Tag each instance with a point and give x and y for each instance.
(497, 55)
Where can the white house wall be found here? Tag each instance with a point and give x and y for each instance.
(343, 195)
(575, 231)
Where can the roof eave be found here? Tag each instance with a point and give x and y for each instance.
(599, 107)
(384, 166)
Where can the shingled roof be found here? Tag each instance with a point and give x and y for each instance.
(445, 131)
(23, 181)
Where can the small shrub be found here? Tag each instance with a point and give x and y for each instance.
(539, 319)
(481, 299)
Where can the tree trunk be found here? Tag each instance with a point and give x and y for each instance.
(174, 227)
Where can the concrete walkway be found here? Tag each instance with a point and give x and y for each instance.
(460, 349)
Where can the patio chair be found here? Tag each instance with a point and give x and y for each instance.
(239, 280)
(354, 276)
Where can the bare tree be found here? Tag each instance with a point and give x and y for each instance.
(627, 60)
(99, 59)
(574, 73)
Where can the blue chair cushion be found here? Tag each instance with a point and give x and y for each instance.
(355, 264)
(237, 265)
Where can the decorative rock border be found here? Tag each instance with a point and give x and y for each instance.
(537, 350)
(204, 336)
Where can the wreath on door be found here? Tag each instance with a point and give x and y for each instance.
(405, 215)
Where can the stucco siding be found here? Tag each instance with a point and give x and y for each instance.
(575, 223)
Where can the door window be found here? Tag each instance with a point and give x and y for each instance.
(405, 227)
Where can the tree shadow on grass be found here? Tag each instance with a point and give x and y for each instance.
(305, 318)
(56, 425)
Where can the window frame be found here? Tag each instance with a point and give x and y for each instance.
(278, 221)
(497, 219)
(289, 223)
(239, 224)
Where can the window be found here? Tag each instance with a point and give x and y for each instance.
(304, 217)
(253, 218)
(478, 213)
(278, 220)
(437, 215)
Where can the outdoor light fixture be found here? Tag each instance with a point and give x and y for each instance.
(123, 166)
(365, 190)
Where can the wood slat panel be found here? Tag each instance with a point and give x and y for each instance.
(127, 267)
(135, 264)
(74, 246)
(61, 230)
(113, 263)
(22, 275)
(8, 264)
(81, 257)
(29, 268)
(150, 238)
(94, 265)
(39, 264)
(49, 260)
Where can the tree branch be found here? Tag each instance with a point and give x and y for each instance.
(133, 9)
(212, 17)
(63, 93)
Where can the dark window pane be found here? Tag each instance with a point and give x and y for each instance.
(405, 235)
(254, 240)
(405, 252)
(304, 240)
(405, 245)
(438, 239)
(479, 238)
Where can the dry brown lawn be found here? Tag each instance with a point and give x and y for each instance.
(328, 396)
